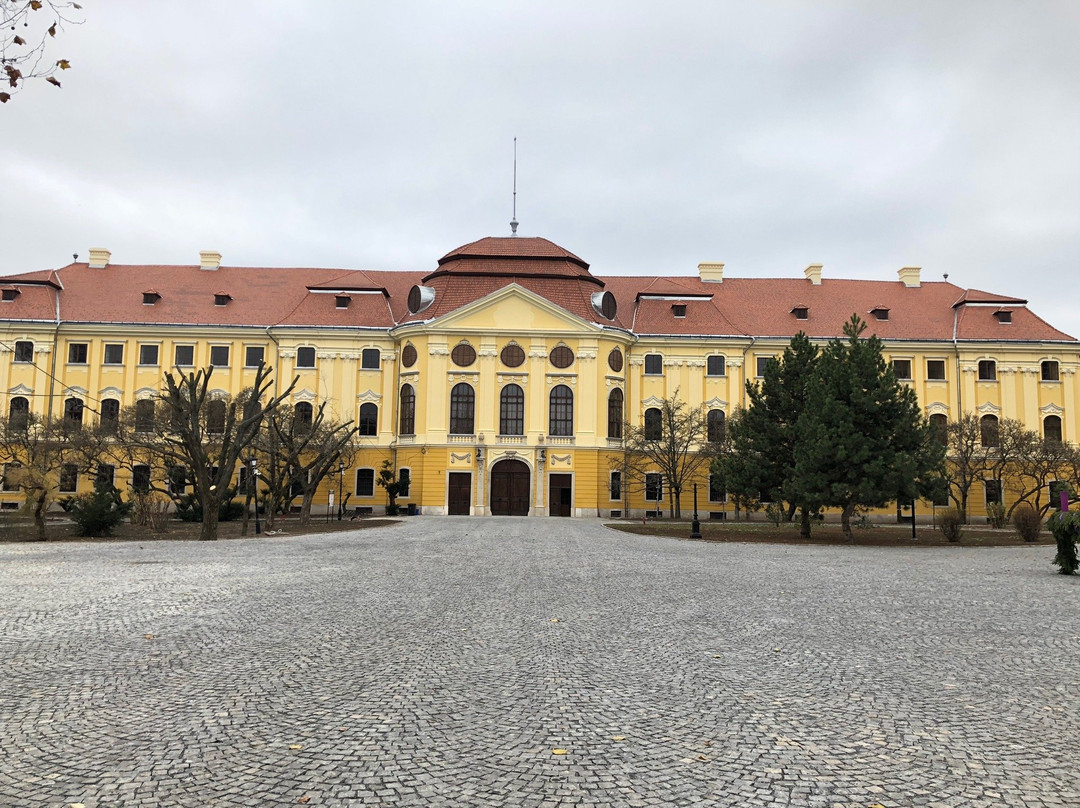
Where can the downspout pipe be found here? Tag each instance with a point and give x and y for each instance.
(52, 360)
(746, 378)
(959, 377)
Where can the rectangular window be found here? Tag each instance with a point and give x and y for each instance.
(616, 486)
(177, 480)
(762, 363)
(716, 489)
(1050, 371)
(148, 354)
(935, 370)
(106, 475)
(219, 356)
(654, 365)
(369, 359)
(902, 369)
(9, 477)
(654, 487)
(254, 356)
(987, 370)
(140, 479)
(993, 491)
(679, 309)
(77, 353)
(405, 478)
(716, 366)
(69, 478)
(305, 357)
(114, 354)
(24, 351)
(365, 482)
(184, 356)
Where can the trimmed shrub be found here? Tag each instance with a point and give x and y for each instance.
(98, 513)
(1027, 521)
(951, 523)
(774, 512)
(189, 509)
(1066, 530)
(995, 515)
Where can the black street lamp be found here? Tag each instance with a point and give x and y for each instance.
(695, 526)
(255, 488)
(340, 484)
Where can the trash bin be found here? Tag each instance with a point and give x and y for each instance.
(412, 509)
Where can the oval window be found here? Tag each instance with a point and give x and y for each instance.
(614, 360)
(512, 356)
(561, 356)
(408, 356)
(463, 355)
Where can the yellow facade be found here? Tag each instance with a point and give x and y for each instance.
(441, 461)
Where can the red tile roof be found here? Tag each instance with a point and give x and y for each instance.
(737, 307)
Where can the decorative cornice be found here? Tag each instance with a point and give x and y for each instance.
(75, 391)
(695, 363)
(715, 403)
(734, 363)
(438, 350)
(460, 458)
(287, 353)
(561, 378)
(1051, 409)
(988, 408)
(43, 348)
(937, 408)
(652, 401)
(21, 390)
(303, 395)
(144, 393)
(369, 395)
(110, 392)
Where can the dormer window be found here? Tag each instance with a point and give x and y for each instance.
(150, 297)
(801, 312)
(880, 312)
(1003, 315)
(342, 301)
(222, 299)
(679, 309)
(10, 293)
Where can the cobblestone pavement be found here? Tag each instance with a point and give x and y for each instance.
(445, 661)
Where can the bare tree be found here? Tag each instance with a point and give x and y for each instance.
(1042, 462)
(189, 429)
(299, 455)
(36, 452)
(672, 443)
(966, 459)
(26, 29)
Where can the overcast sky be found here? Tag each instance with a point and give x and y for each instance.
(866, 136)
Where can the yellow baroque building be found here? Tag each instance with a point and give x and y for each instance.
(499, 380)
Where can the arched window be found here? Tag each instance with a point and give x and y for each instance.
(512, 410)
(1052, 428)
(110, 416)
(19, 412)
(653, 424)
(939, 426)
(73, 410)
(407, 418)
(614, 414)
(988, 430)
(462, 405)
(215, 416)
(369, 419)
(561, 411)
(144, 415)
(715, 426)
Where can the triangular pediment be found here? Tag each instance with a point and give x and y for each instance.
(513, 307)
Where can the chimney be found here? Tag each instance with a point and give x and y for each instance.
(711, 272)
(99, 258)
(813, 274)
(910, 276)
(208, 259)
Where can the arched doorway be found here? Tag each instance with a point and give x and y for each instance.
(510, 488)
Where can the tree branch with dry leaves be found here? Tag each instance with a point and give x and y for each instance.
(27, 27)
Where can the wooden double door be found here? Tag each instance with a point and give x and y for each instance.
(510, 488)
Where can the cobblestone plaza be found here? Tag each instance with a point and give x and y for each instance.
(525, 662)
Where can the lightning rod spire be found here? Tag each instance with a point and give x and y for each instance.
(513, 220)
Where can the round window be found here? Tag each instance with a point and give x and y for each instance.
(561, 356)
(463, 355)
(614, 360)
(408, 356)
(512, 356)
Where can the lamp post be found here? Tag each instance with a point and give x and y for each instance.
(695, 526)
(340, 484)
(255, 488)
